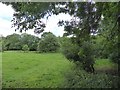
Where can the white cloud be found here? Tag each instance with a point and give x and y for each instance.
(52, 24)
(6, 14)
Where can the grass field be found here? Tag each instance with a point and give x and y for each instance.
(33, 70)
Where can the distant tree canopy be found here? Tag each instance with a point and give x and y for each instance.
(16, 42)
(48, 43)
(12, 42)
(89, 18)
(30, 40)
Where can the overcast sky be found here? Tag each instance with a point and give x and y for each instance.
(6, 14)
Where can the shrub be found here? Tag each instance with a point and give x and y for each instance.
(83, 53)
(70, 50)
(25, 48)
(86, 56)
(78, 78)
(114, 57)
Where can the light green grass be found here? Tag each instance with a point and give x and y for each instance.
(34, 70)
(105, 64)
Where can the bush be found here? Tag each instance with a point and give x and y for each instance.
(114, 57)
(78, 78)
(25, 48)
(86, 56)
(70, 50)
(83, 53)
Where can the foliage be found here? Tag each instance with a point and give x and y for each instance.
(109, 29)
(1, 43)
(86, 55)
(83, 54)
(12, 42)
(48, 43)
(25, 48)
(78, 78)
(81, 79)
(87, 21)
(30, 40)
(1, 46)
(16, 42)
(69, 49)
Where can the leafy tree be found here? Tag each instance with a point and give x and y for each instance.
(109, 29)
(85, 22)
(48, 43)
(12, 42)
(30, 40)
(25, 48)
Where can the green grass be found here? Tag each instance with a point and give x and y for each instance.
(105, 65)
(34, 70)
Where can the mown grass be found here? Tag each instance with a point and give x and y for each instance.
(51, 70)
(33, 70)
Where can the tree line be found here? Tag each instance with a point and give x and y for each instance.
(90, 18)
(50, 43)
(26, 42)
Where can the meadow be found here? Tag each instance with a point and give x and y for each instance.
(33, 70)
(46, 70)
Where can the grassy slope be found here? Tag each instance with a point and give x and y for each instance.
(34, 70)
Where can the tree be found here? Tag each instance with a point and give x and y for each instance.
(87, 17)
(48, 43)
(109, 29)
(30, 40)
(25, 48)
(12, 42)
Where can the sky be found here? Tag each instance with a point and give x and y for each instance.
(6, 15)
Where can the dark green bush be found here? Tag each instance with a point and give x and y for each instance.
(70, 51)
(114, 57)
(83, 53)
(78, 78)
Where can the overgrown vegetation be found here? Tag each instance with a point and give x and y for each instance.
(81, 79)
(90, 35)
